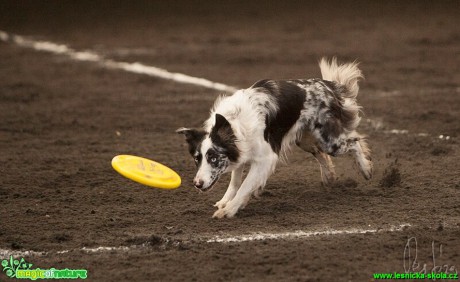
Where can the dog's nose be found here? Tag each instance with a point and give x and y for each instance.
(198, 183)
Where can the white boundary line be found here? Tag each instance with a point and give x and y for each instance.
(299, 234)
(139, 68)
(89, 56)
(207, 239)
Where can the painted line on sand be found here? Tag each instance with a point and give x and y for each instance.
(300, 234)
(207, 239)
(90, 56)
(139, 68)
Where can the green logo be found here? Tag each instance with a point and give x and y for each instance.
(20, 269)
(12, 265)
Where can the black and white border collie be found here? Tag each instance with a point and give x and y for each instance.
(255, 127)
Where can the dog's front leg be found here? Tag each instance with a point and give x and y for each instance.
(235, 183)
(257, 177)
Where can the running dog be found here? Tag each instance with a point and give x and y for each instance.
(257, 126)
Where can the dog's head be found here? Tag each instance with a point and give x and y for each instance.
(214, 152)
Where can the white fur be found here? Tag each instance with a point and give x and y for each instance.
(246, 118)
(204, 173)
(246, 111)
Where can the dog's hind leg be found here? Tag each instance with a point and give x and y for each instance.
(362, 156)
(328, 175)
(308, 144)
(235, 183)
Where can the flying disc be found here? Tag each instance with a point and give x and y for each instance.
(145, 171)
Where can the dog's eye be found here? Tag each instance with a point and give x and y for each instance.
(196, 159)
(213, 160)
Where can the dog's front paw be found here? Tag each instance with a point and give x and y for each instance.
(228, 211)
(220, 213)
(257, 193)
(221, 204)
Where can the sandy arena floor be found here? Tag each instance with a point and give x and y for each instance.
(62, 121)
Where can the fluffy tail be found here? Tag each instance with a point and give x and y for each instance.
(347, 75)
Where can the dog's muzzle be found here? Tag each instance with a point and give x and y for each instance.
(198, 183)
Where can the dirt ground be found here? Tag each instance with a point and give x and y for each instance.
(61, 123)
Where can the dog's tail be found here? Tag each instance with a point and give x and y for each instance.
(346, 75)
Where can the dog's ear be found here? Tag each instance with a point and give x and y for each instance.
(221, 122)
(223, 136)
(222, 129)
(185, 131)
(193, 137)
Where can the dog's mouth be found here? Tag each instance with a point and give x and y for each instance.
(209, 187)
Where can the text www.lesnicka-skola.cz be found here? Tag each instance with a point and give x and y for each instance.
(416, 275)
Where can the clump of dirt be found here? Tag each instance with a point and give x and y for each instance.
(440, 151)
(16, 246)
(391, 176)
(61, 237)
(153, 240)
(345, 183)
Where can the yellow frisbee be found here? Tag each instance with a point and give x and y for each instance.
(146, 172)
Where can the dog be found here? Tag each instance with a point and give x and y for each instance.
(256, 126)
